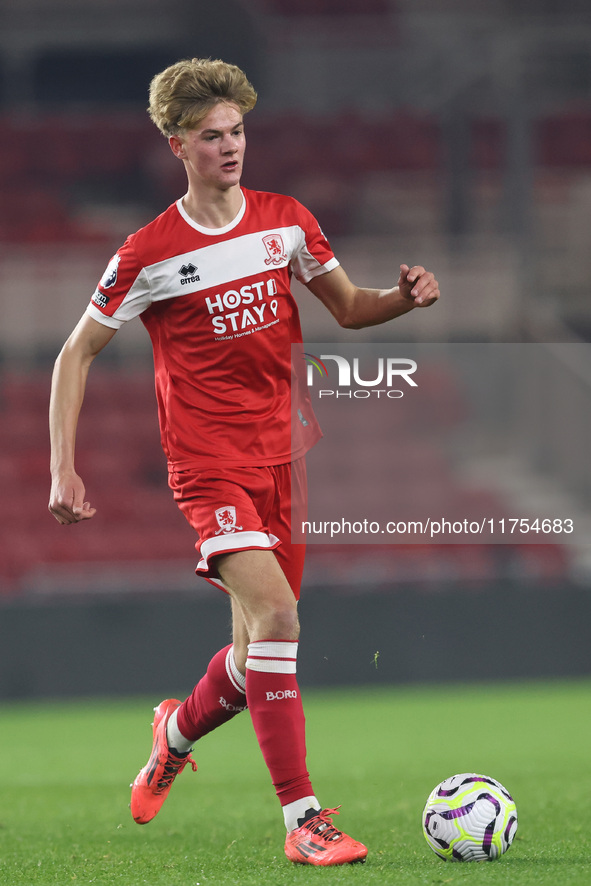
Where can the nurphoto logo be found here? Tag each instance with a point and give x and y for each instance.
(385, 373)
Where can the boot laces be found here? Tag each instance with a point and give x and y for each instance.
(172, 767)
(321, 825)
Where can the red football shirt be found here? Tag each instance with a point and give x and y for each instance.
(218, 307)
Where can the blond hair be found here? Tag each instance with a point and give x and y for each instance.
(184, 93)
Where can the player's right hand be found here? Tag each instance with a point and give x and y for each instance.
(66, 500)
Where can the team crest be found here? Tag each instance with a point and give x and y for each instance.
(109, 278)
(275, 249)
(226, 518)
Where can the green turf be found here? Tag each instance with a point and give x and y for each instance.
(64, 790)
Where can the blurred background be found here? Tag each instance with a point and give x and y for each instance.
(454, 135)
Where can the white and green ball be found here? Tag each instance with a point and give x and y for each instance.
(470, 817)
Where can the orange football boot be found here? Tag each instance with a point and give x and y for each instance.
(154, 781)
(318, 842)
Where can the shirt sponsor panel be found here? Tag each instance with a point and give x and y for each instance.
(236, 259)
(247, 255)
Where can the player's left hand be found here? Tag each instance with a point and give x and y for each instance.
(418, 285)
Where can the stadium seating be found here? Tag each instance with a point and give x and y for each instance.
(46, 192)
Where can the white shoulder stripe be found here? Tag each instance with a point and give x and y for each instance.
(305, 267)
(218, 265)
(222, 263)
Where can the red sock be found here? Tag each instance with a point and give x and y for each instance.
(218, 697)
(275, 706)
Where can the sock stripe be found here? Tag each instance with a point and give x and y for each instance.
(237, 679)
(273, 656)
(271, 667)
(274, 649)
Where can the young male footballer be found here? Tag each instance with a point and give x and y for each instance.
(210, 280)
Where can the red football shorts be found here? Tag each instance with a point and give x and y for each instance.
(244, 509)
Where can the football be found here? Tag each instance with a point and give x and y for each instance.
(469, 817)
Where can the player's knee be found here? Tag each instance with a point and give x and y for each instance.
(286, 624)
(279, 622)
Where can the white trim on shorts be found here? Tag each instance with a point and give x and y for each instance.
(248, 540)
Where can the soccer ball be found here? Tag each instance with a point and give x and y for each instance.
(469, 817)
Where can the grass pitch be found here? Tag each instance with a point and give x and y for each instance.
(64, 794)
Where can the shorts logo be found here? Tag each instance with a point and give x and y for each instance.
(109, 278)
(226, 518)
(275, 249)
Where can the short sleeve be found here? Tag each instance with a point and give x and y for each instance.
(123, 291)
(314, 256)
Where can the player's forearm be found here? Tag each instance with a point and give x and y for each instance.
(67, 394)
(68, 386)
(370, 307)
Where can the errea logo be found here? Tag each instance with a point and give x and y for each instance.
(189, 274)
